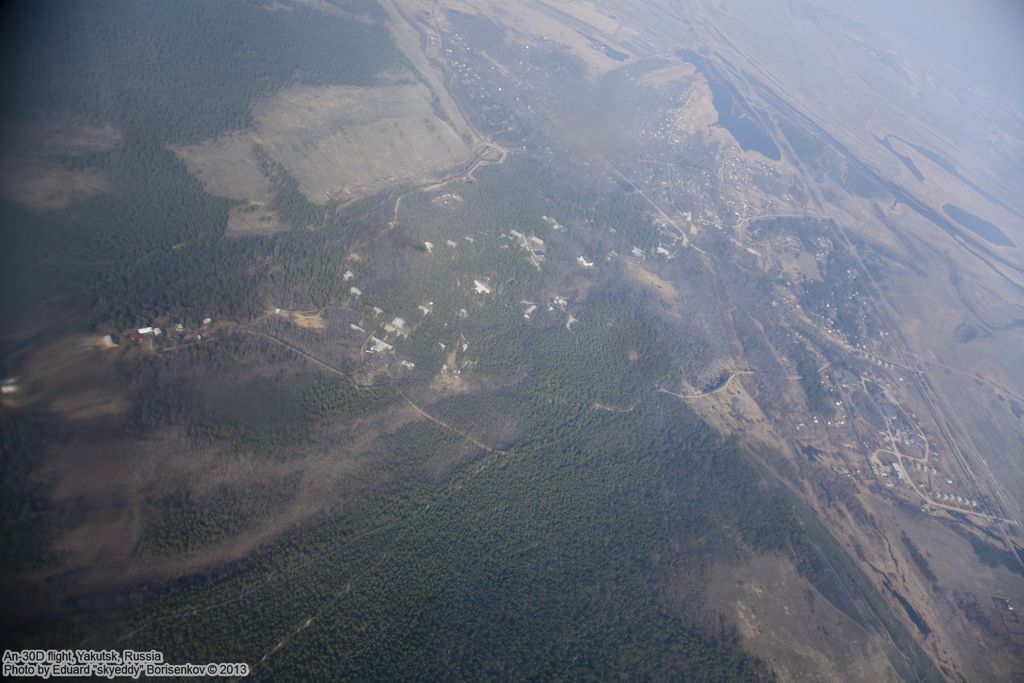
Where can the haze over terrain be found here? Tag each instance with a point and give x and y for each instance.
(469, 339)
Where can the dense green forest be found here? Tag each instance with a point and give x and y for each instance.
(182, 522)
(839, 296)
(181, 71)
(549, 560)
(27, 519)
(113, 251)
(241, 393)
(819, 398)
(544, 563)
(293, 207)
(159, 73)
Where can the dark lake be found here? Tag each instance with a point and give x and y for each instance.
(747, 133)
(907, 161)
(742, 127)
(943, 163)
(978, 225)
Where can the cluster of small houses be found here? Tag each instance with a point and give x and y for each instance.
(949, 497)
(534, 246)
(398, 327)
(537, 249)
(153, 331)
(901, 474)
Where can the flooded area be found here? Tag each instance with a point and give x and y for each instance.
(943, 163)
(731, 115)
(747, 133)
(978, 225)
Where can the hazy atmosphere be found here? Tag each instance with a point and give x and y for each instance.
(355, 340)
